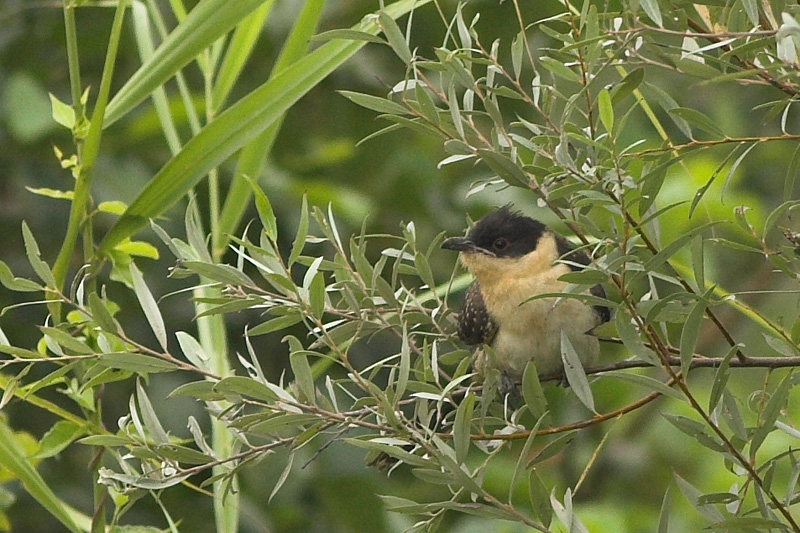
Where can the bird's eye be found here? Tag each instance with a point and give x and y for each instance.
(500, 244)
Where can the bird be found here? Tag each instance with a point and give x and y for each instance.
(513, 257)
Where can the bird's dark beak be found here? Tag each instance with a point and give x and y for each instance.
(459, 244)
(464, 245)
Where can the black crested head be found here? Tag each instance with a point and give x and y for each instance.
(506, 233)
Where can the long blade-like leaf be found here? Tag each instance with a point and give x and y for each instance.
(206, 23)
(13, 459)
(237, 126)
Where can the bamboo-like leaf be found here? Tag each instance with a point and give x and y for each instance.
(149, 306)
(253, 156)
(15, 461)
(239, 49)
(207, 22)
(233, 128)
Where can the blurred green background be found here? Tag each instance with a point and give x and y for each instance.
(383, 183)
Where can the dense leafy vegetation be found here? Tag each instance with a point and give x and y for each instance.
(305, 328)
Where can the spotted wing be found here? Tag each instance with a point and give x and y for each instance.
(475, 325)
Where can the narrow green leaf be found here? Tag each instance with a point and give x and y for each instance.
(791, 175)
(303, 377)
(653, 11)
(14, 459)
(149, 417)
(721, 379)
(395, 37)
(697, 119)
(405, 366)
(252, 158)
(647, 382)
(393, 449)
(606, 110)
(690, 333)
(265, 212)
(13, 283)
(461, 427)
(136, 362)
(696, 430)
(698, 261)
(573, 369)
(375, 103)
(275, 324)
(663, 514)
(221, 273)
(207, 22)
(58, 437)
(67, 341)
(352, 35)
(770, 414)
(35, 257)
(517, 49)
(302, 232)
(532, 391)
(233, 128)
(282, 478)
(559, 69)
(628, 84)
(671, 249)
(192, 350)
(751, 8)
(316, 295)
(246, 387)
(631, 340)
(539, 496)
(732, 416)
(504, 168)
(149, 306)
(238, 51)
(101, 315)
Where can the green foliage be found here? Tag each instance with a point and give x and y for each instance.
(581, 113)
